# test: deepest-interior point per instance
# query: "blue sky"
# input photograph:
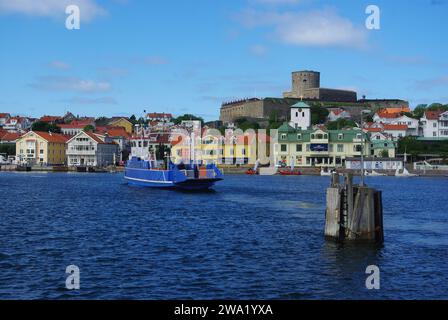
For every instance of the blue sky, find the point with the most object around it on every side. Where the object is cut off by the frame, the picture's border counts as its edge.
(189, 56)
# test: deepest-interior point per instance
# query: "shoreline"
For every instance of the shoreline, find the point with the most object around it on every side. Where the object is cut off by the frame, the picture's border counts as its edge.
(306, 171)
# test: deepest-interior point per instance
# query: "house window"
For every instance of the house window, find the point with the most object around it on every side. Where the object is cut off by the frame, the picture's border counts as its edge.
(283, 148)
(434, 134)
(340, 136)
(298, 148)
(41, 151)
(434, 124)
(283, 136)
(340, 148)
(299, 136)
(308, 148)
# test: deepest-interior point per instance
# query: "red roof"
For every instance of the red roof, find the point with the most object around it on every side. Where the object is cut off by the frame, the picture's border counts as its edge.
(50, 118)
(52, 137)
(398, 127)
(5, 115)
(160, 115)
(112, 131)
(83, 122)
(373, 129)
(433, 115)
(94, 137)
(386, 115)
(9, 136)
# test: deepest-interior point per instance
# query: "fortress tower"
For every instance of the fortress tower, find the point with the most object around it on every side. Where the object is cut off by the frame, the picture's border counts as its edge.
(303, 80)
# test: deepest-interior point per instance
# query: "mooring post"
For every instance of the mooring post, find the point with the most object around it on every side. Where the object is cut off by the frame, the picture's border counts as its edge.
(354, 213)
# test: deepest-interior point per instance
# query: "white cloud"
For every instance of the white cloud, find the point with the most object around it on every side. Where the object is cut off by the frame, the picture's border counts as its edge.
(57, 83)
(51, 8)
(321, 28)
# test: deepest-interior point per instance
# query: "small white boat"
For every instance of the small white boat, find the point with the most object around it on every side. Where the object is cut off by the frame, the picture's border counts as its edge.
(404, 174)
(325, 173)
(374, 174)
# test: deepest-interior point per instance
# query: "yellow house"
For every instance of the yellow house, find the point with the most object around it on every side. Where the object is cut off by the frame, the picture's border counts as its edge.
(42, 148)
(238, 149)
(122, 122)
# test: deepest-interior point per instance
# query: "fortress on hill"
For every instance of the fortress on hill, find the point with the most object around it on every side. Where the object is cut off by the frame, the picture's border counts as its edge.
(305, 87)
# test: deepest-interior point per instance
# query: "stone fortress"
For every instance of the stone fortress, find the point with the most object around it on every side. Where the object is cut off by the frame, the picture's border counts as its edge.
(305, 87)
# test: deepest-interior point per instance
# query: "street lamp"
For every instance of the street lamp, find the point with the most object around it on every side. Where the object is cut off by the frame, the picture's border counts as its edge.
(362, 145)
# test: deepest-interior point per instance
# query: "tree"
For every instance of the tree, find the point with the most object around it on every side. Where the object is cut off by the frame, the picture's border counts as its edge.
(419, 111)
(319, 114)
(435, 107)
(9, 149)
(101, 121)
(384, 154)
(187, 117)
(45, 127)
(89, 128)
(246, 124)
(133, 119)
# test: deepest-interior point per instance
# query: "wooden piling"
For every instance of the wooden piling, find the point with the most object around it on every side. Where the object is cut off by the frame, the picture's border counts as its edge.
(354, 213)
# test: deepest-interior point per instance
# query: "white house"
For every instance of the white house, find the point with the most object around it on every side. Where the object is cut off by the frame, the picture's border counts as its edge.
(300, 116)
(336, 114)
(4, 117)
(434, 124)
(88, 149)
(17, 124)
(398, 119)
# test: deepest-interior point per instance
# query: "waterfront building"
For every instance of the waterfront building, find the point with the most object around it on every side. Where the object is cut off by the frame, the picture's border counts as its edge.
(91, 150)
(143, 146)
(122, 122)
(434, 124)
(41, 148)
(4, 117)
(375, 163)
(317, 147)
(120, 136)
(383, 148)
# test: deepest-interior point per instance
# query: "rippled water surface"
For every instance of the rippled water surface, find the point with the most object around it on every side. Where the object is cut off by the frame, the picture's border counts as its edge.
(252, 238)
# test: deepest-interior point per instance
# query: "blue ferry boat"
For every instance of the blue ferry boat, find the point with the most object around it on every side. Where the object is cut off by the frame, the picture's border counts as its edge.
(145, 173)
